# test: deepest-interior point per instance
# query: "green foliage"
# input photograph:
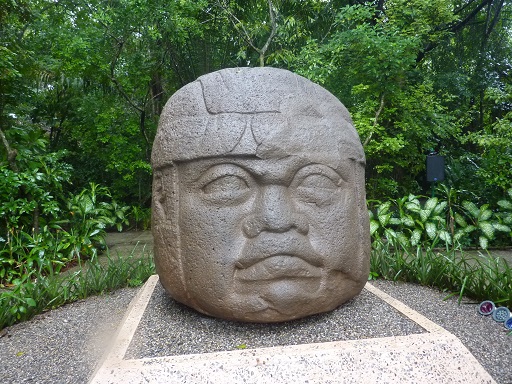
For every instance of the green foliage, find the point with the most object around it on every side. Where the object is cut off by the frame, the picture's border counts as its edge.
(42, 228)
(505, 216)
(495, 151)
(62, 241)
(82, 85)
(140, 217)
(436, 221)
(90, 215)
(421, 240)
(481, 277)
(37, 184)
(416, 75)
(369, 61)
(36, 292)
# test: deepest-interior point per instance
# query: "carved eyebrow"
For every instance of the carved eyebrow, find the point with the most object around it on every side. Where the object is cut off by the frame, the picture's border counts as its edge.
(318, 169)
(259, 169)
(216, 171)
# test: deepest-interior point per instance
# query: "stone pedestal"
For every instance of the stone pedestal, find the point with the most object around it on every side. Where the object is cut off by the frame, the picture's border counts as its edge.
(373, 338)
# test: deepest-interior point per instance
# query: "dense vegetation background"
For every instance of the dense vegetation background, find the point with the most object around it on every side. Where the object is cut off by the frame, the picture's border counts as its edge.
(82, 84)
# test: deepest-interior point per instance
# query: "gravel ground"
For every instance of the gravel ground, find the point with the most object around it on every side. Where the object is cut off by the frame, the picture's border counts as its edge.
(64, 345)
(486, 339)
(167, 327)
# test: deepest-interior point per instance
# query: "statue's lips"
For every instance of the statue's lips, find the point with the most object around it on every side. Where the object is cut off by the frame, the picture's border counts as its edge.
(278, 267)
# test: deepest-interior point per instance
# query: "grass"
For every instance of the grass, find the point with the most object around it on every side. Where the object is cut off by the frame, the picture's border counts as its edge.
(479, 278)
(37, 293)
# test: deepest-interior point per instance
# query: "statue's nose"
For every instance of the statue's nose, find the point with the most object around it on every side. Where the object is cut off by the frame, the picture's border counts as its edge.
(274, 211)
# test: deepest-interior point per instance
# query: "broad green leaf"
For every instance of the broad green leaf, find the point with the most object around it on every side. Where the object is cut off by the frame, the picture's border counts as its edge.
(30, 302)
(384, 219)
(505, 204)
(459, 219)
(471, 208)
(412, 207)
(440, 207)
(431, 230)
(485, 214)
(445, 236)
(413, 199)
(408, 221)
(501, 227)
(487, 228)
(425, 214)
(389, 234)
(402, 239)
(374, 226)
(383, 208)
(430, 203)
(415, 237)
(483, 241)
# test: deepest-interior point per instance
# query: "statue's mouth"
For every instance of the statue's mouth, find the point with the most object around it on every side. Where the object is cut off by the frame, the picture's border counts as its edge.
(278, 267)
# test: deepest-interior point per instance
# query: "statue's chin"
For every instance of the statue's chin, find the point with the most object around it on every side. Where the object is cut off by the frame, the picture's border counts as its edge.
(282, 301)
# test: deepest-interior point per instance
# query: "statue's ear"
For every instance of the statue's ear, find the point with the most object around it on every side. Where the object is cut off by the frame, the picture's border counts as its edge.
(158, 201)
(165, 196)
(166, 232)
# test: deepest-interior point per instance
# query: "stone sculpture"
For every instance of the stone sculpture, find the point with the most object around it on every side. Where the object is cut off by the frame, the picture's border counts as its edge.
(259, 209)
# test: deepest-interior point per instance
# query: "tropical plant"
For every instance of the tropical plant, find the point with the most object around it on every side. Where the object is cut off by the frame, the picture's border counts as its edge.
(141, 217)
(439, 222)
(90, 215)
(483, 223)
(36, 292)
(61, 241)
(480, 277)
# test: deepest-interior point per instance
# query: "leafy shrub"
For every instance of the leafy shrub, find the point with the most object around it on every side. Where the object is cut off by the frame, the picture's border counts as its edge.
(91, 212)
(140, 217)
(480, 277)
(77, 237)
(421, 240)
(439, 222)
(36, 292)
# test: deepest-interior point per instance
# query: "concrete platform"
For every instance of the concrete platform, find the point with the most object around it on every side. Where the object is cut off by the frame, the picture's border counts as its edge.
(373, 338)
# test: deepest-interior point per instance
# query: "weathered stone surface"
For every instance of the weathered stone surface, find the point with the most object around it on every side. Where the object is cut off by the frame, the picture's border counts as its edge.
(259, 207)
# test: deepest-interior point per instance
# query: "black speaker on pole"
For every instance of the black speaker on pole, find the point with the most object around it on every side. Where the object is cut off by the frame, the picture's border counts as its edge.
(435, 167)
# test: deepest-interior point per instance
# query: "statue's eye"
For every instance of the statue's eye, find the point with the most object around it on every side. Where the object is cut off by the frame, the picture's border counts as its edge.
(318, 181)
(226, 184)
(316, 184)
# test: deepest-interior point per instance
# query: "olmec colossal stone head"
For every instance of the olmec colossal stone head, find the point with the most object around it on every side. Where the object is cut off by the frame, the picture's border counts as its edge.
(259, 207)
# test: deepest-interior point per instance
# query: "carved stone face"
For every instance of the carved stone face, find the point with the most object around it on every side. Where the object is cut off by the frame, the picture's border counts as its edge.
(272, 226)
